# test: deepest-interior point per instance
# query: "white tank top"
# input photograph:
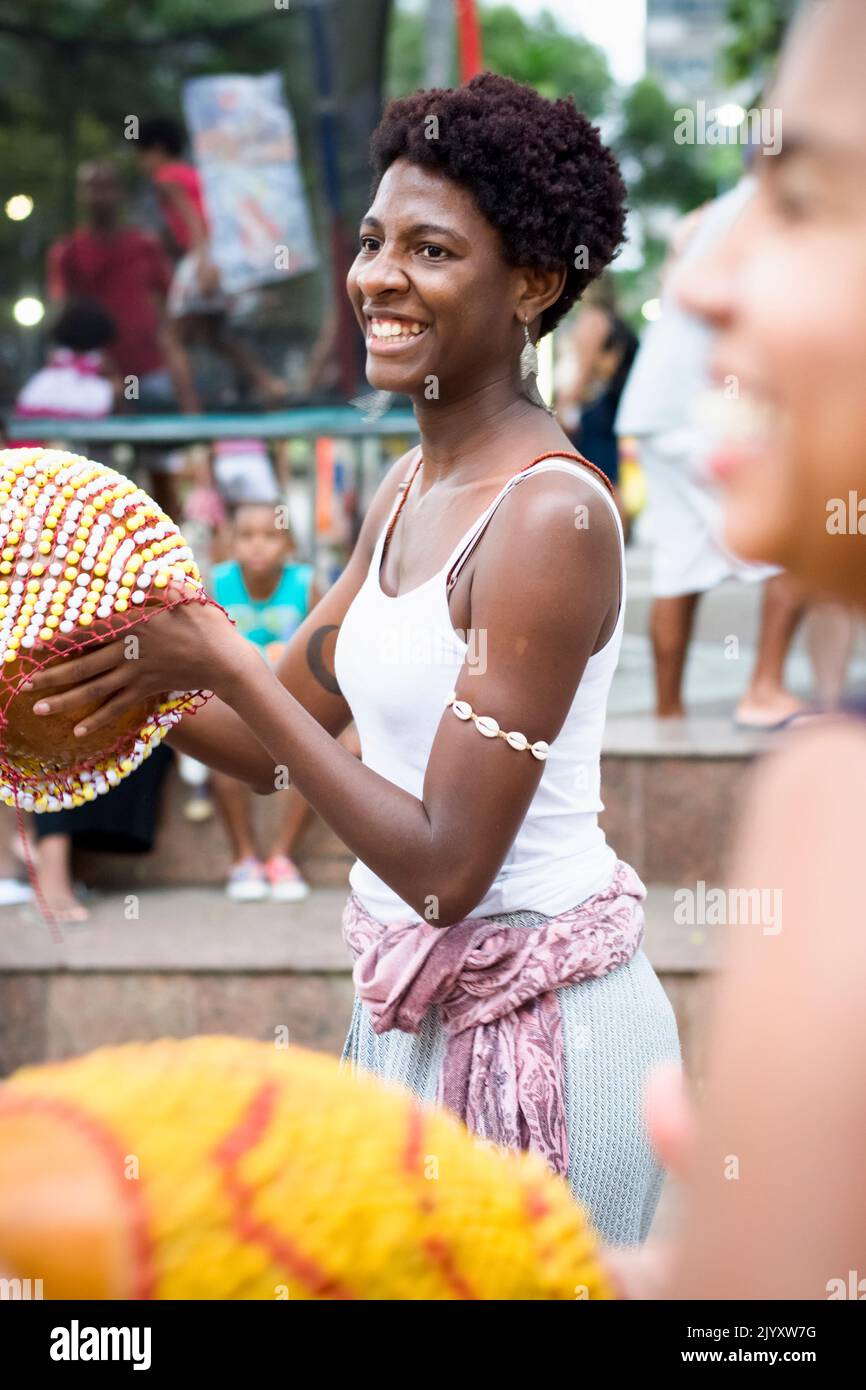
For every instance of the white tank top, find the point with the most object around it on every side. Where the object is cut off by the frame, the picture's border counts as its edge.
(398, 658)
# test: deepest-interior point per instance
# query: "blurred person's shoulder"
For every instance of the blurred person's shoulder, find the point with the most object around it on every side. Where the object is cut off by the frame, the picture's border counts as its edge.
(808, 792)
(829, 750)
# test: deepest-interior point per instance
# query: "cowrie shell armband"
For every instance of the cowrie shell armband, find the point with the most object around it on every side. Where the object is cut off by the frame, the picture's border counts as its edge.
(487, 725)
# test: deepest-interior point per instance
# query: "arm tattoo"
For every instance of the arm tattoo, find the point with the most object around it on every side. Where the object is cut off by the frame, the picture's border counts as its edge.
(316, 659)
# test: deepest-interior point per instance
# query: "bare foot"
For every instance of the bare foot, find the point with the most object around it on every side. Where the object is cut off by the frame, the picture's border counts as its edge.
(64, 906)
(19, 852)
(768, 711)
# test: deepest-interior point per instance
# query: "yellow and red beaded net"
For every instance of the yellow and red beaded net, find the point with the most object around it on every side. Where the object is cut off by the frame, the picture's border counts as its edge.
(85, 555)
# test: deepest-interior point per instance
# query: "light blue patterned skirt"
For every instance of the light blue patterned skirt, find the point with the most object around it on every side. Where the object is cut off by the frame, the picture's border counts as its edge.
(614, 1031)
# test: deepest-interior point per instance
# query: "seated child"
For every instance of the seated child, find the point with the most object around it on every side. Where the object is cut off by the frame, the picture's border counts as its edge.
(268, 596)
(79, 380)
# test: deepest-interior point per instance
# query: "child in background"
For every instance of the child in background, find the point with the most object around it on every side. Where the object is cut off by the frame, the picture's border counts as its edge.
(79, 381)
(268, 596)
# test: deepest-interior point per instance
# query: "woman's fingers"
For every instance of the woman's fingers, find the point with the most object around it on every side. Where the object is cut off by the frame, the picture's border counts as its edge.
(106, 714)
(77, 669)
(101, 688)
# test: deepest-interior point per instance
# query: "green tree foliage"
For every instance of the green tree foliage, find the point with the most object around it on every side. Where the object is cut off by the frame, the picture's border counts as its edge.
(536, 51)
(756, 28)
(665, 173)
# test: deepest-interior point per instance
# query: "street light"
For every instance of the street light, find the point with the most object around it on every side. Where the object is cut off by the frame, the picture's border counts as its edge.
(28, 311)
(19, 206)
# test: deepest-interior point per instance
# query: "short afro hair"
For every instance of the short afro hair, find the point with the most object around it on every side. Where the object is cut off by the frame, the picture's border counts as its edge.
(537, 170)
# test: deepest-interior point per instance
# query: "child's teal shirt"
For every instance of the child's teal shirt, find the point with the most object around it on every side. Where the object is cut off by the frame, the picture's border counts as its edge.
(268, 620)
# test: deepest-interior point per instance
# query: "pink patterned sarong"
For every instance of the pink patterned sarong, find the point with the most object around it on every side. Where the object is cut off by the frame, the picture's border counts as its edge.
(495, 986)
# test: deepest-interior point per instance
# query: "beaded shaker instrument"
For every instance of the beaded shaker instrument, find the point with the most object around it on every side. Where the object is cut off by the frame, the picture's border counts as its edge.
(85, 556)
(265, 1172)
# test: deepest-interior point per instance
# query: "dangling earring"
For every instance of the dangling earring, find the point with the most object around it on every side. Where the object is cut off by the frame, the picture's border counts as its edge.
(529, 371)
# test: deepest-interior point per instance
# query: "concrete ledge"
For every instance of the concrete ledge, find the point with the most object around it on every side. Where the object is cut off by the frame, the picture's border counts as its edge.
(49, 1016)
(184, 929)
(198, 930)
(695, 736)
(193, 962)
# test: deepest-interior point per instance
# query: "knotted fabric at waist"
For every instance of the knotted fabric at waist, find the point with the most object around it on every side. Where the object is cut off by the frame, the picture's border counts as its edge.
(495, 986)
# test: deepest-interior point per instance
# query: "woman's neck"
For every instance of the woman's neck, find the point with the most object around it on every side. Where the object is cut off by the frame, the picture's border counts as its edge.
(457, 435)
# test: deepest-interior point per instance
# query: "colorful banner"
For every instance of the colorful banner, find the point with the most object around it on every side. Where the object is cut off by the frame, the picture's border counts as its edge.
(243, 138)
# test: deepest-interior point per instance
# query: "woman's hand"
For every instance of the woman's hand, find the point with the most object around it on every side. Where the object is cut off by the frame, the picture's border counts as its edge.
(192, 646)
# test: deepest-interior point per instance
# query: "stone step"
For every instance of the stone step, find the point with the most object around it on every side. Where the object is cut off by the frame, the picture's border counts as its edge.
(177, 961)
(673, 791)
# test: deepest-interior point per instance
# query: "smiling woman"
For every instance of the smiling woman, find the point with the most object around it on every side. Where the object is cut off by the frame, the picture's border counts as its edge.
(497, 936)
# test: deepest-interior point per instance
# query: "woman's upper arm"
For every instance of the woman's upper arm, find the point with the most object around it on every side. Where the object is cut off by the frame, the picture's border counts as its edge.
(542, 591)
(776, 1198)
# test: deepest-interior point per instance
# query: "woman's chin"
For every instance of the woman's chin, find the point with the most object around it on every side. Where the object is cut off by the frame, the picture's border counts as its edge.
(383, 375)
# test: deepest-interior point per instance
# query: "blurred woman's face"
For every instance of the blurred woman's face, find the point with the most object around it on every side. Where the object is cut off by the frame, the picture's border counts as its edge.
(786, 293)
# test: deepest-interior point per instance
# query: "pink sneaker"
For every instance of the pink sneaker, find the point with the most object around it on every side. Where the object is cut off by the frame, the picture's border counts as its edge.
(284, 876)
(247, 882)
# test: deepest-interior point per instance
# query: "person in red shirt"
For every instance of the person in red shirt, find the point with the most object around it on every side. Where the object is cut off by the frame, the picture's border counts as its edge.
(123, 270)
(197, 305)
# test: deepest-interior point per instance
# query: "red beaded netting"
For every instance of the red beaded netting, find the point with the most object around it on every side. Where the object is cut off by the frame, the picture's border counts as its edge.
(85, 556)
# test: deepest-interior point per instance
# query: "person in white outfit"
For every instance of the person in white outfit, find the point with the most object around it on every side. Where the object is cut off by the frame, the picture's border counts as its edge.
(660, 408)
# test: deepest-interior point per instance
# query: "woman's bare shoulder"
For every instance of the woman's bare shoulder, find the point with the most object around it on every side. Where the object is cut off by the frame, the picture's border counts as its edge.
(802, 830)
(551, 565)
(821, 762)
(560, 524)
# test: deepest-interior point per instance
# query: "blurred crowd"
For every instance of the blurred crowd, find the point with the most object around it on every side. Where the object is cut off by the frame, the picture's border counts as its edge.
(133, 310)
